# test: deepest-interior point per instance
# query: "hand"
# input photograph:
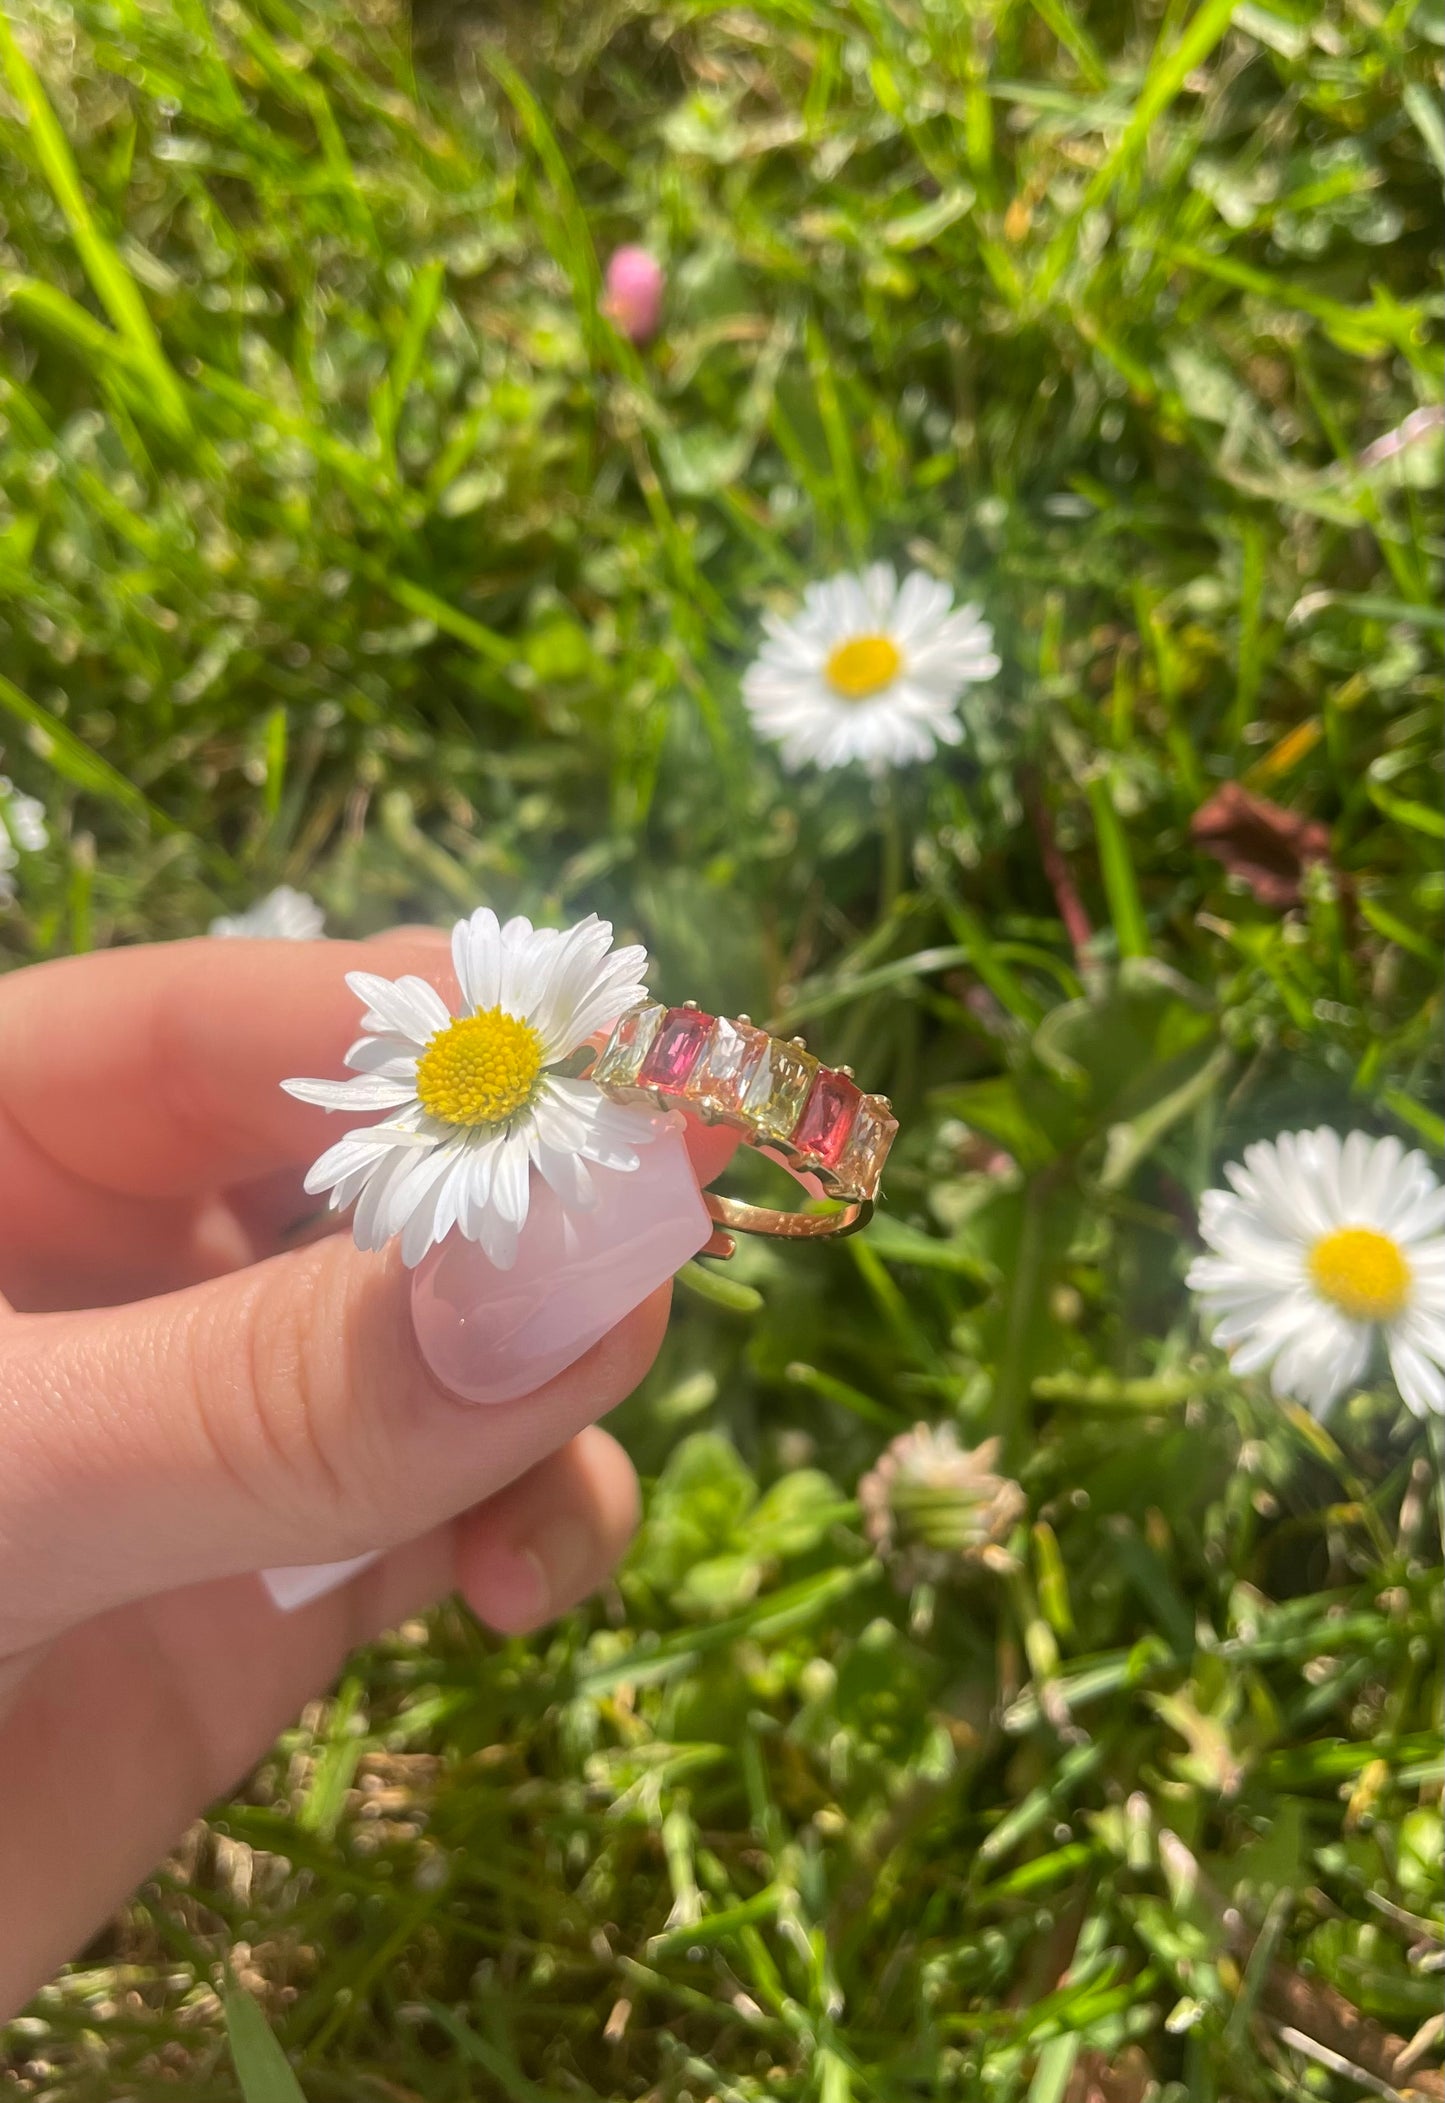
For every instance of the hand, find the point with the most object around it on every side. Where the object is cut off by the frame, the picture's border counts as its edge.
(183, 1403)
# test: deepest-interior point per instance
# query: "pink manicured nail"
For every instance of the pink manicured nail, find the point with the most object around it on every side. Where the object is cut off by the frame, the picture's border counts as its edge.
(492, 1335)
(299, 1583)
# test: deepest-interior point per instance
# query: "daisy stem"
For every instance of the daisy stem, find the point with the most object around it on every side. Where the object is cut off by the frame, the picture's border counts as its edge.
(1013, 1387)
(894, 856)
(1435, 1426)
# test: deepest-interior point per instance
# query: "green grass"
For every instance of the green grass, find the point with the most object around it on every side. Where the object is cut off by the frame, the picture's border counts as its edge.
(342, 542)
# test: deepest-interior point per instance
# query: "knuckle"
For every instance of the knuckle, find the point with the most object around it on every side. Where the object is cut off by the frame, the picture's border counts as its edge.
(286, 1389)
(239, 1366)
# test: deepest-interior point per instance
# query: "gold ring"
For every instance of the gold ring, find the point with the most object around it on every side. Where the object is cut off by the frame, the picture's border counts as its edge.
(813, 1119)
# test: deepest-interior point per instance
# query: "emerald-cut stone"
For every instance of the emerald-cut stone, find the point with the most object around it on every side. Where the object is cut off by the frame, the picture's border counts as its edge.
(823, 1129)
(621, 1057)
(860, 1165)
(779, 1088)
(723, 1075)
(676, 1049)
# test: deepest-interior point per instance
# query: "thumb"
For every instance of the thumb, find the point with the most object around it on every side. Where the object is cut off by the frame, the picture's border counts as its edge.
(286, 1414)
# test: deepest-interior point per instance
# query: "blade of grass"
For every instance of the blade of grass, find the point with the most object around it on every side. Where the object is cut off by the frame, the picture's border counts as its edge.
(1167, 75)
(261, 2066)
(571, 234)
(1075, 39)
(839, 440)
(390, 396)
(114, 286)
(1131, 931)
(75, 760)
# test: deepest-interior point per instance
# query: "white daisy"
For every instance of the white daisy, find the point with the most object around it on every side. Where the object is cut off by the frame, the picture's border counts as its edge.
(283, 915)
(1317, 1245)
(474, 1100)
(22, 824)
(869, 670)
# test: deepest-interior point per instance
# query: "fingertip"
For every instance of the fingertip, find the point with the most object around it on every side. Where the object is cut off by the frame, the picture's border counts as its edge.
(508, 1589)
(613, 1479)
(552, 1538)
(710, 1148)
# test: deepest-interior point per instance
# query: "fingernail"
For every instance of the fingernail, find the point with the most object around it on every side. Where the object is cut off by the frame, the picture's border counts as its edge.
(567, 1552)
(492, 1335)
(529, 1584)
(299, 1583)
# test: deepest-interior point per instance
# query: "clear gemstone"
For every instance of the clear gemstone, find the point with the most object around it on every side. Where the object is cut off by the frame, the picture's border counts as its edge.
(827, 1120)
(722, 1076)
(861, 1163)
(779, 1088)
(628, 1046)
(675, 1049)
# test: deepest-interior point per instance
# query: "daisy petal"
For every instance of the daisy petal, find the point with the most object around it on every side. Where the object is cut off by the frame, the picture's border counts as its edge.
(567, 1174)
(510, 1178)
(369, 1091)
(1421, 1383)
(405, 1007)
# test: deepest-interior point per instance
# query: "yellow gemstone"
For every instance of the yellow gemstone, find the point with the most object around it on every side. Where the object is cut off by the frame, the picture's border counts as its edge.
(621, 1057)
(779, 1088)
(1361, 1272)
(863, 666)
(479, 1070)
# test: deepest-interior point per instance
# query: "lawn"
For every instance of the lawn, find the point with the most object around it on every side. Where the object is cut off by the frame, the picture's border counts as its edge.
(345, 542)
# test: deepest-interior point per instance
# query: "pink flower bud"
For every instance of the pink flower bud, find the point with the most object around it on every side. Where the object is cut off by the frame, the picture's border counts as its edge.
(633, 300)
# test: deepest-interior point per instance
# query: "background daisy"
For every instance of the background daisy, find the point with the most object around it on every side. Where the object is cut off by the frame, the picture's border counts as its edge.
(868, 670)
(1317, 1246)
(22, 825)
(475, 1099)
(283, 915)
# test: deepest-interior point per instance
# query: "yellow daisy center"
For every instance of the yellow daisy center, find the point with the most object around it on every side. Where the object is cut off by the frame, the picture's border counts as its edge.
(479, 1070)
(862, 666)
(1364, 1273)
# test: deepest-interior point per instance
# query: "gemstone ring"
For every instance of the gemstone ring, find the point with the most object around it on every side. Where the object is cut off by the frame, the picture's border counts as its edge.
(813, 1119)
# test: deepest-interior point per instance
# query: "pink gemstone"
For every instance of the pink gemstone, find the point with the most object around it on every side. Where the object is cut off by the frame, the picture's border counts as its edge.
(675, 1049)
(827, 1118)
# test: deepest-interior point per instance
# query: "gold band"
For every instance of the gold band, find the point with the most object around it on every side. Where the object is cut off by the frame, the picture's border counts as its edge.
(788, 1226)
(813, 1119)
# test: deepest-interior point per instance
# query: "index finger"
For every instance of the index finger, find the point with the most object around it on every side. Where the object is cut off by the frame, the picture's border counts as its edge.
(156, 1072)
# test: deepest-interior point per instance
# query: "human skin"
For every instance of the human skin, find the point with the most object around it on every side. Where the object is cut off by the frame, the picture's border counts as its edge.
(184, 1400)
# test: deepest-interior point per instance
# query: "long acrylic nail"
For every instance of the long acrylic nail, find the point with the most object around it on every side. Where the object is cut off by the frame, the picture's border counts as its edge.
(493, 1335)
(299, 1583)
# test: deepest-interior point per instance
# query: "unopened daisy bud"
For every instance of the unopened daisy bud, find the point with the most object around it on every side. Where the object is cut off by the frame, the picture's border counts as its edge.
(934, 1509)
(633, 298)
